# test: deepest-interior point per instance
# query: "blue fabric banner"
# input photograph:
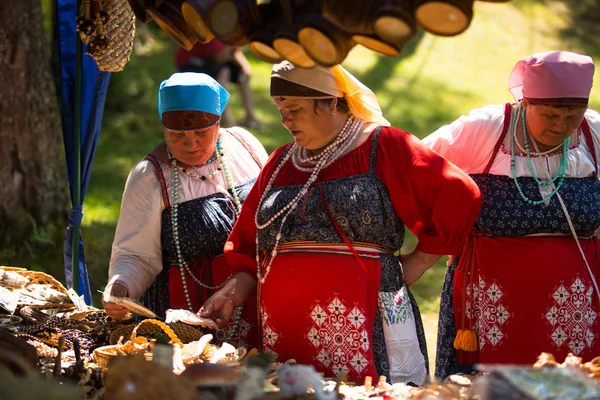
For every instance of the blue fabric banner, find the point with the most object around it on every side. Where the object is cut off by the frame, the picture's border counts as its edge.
(94, 85)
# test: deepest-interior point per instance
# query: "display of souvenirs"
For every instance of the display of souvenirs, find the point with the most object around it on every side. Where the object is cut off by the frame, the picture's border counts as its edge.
(48, 336)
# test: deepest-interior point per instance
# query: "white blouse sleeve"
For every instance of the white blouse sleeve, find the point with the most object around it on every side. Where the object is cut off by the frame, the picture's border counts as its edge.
(469, 141)
(136, 252)
(593, 119)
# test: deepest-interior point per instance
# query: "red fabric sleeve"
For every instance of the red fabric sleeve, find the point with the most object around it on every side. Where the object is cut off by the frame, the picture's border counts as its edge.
(240, 248)
(435, 199)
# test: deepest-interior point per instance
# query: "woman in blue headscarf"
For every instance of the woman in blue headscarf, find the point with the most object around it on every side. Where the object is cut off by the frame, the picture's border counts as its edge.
(181, 202)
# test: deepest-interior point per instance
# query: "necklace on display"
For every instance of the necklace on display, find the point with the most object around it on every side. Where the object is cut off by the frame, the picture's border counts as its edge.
(560, 173)
(183, 265)
(332, 152)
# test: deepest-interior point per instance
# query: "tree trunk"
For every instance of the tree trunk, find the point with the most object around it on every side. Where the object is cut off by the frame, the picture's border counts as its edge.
(32, 177)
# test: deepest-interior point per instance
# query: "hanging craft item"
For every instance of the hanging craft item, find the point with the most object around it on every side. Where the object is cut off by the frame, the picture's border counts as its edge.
(287, 45)
(357, 18)
(395, 23)
(273, 15)
(195, 13)
(286, 41)
(444, 18)
(304, 32)
(140, 9)
(108, 28)
(323, 40)
(169, 17)
(234, 21)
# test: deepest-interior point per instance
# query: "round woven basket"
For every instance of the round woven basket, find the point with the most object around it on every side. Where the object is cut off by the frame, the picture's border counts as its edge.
(41, 278)
(102, 355)
(120, 31)
(184, 332)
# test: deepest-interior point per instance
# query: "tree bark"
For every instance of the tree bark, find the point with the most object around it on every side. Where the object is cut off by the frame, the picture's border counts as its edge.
(32, 178)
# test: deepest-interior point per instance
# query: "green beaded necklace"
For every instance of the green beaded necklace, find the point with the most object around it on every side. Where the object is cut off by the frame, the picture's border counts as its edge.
(560, 174)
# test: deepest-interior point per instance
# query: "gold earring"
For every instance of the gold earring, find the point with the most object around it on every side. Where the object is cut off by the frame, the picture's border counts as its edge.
(333, 112)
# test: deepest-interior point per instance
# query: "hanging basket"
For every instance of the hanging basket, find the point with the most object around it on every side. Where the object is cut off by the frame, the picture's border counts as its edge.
(195, 13)
(324, 42)
(234, 21)
(287, 45)
(378, 45)
(444, 18)
(140, 9)
(395, 24)
(170, 18)
(118, 36)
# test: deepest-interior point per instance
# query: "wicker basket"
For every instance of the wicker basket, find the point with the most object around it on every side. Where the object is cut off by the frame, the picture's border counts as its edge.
(184, 332)
(41, 278)
(103, 354)
(120, 31)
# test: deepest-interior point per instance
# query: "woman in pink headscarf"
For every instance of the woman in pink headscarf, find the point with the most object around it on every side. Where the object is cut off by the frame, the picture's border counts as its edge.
(526, 280)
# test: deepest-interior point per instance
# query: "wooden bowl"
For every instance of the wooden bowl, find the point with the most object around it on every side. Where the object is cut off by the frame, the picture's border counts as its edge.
(444, 18)
(324, 42)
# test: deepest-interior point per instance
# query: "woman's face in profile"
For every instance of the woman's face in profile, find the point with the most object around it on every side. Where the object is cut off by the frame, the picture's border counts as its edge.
(550, 126)
(311, 125)
(192, 147)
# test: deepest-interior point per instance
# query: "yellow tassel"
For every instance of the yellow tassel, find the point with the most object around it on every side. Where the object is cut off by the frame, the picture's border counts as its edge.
(469, 341)
(458, 339)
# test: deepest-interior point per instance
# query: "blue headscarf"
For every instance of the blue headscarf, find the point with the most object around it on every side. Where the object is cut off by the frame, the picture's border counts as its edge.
(191, 91)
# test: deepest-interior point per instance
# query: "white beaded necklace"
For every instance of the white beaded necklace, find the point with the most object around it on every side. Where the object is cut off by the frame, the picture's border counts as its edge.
(345, 138)
(183, 265)
(521, 149)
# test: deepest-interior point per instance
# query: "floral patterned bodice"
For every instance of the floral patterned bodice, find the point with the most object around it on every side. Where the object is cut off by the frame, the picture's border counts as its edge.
(504, 213)
(360, 204)
(204, 225)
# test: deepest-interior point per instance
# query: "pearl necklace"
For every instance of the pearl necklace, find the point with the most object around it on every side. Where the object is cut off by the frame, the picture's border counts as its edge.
(183, 265)
(321, 160)
(521, 149)
(346, 137)
(304, 152)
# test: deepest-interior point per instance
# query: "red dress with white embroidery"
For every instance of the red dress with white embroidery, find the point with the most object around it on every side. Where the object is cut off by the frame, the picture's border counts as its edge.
(318, 304)
(522, 284)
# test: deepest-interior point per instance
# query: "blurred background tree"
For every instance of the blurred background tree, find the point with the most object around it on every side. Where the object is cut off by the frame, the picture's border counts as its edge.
(33, 189)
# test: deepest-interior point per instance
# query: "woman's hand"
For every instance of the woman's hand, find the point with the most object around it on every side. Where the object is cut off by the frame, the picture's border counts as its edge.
(115, 311)
(415, 263)
(221, 305)
(451, 260)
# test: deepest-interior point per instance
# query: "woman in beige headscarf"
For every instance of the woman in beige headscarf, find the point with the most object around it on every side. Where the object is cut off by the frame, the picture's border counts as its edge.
(317, 235)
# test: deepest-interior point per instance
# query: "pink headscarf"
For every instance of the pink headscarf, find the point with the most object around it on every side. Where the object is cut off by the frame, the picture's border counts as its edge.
(552, 75)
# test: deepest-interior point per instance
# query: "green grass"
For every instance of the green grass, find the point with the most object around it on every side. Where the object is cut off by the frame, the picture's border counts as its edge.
(434, 81)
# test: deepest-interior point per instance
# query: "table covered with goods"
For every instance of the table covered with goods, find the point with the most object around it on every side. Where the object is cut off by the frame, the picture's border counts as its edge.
(54, 346)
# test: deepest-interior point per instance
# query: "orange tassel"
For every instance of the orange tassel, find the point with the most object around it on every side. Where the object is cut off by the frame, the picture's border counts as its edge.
(469, 341)
(458, 339)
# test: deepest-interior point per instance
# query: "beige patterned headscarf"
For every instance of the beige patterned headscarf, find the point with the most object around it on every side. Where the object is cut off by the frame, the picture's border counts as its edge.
(332, 82)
